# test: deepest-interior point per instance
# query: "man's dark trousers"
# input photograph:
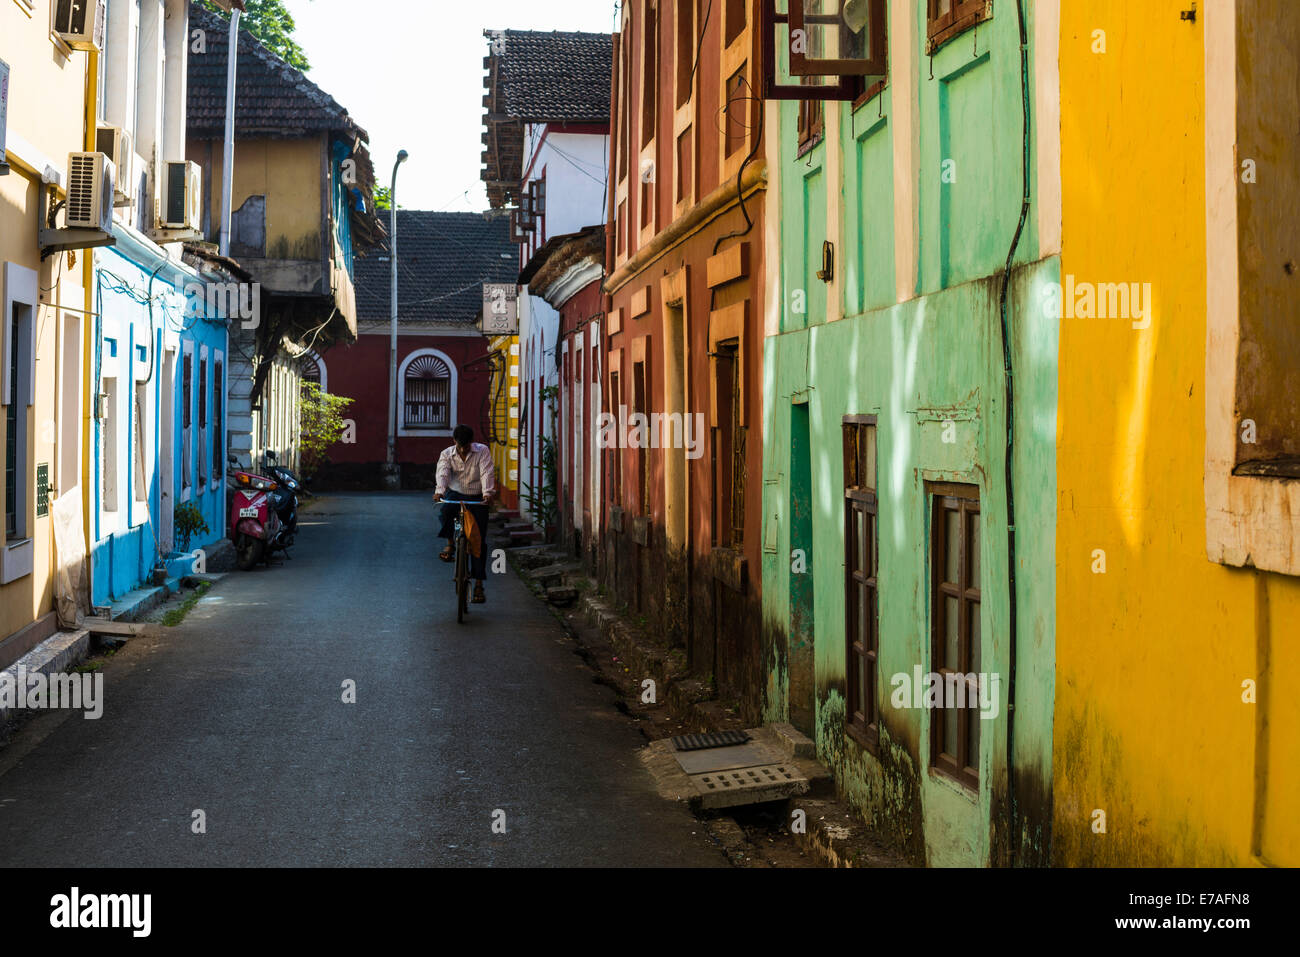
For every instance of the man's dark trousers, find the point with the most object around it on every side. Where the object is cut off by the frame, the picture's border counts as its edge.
(478, 566)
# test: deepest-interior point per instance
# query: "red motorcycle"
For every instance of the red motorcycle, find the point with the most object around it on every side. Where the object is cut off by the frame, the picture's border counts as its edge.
(255, 526)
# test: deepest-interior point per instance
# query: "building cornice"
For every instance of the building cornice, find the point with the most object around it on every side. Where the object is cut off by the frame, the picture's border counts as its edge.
(723, 198)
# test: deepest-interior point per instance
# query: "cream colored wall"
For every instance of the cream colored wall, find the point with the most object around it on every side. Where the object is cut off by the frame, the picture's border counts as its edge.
(45, 123)
(288, 173)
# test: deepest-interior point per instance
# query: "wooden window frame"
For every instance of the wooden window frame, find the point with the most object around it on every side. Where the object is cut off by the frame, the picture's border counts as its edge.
(650, 50)
(737, 59)
(963, 14)
(850, 76)
(686, 175)
(641, 403)
(944, 497)
(862, 644)
(616, 453)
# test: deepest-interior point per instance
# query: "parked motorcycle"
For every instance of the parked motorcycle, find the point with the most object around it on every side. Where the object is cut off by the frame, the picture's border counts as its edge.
(256, 529)
(292, 486)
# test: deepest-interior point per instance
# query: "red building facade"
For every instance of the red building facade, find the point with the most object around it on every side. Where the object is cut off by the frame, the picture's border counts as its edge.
(443, 367)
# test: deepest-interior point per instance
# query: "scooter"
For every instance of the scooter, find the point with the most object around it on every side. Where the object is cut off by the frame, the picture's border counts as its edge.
(255, 526)
(291, 487)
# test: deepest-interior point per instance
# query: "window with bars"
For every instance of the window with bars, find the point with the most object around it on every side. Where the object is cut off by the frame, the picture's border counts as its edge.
(218, 423)
(11, 432)
(649, 73)
(729, 448)
(427, 391)
(187, 415)
(203, 421)
(640, 404)
(955, 629)
(862, 593)
(684, 49)
(615, 453)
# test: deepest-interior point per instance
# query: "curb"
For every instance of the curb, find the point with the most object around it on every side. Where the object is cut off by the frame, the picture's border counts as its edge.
(835, 834)
(55, 654)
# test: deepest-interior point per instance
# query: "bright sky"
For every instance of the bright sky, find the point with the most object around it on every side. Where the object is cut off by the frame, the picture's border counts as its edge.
(410, 72)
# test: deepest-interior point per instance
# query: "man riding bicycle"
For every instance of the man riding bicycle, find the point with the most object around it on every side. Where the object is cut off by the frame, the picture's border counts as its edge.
(466, 474)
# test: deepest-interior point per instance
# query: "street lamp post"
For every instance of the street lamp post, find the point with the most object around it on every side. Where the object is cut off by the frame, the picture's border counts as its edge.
(392, 478)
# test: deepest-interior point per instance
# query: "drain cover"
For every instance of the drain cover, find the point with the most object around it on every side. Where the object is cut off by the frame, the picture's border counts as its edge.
(767, 782)
(716, 739)
(747, 778)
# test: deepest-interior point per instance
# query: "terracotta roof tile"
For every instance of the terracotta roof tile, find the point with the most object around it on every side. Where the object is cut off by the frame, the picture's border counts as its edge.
(272, 99)
(442, 261)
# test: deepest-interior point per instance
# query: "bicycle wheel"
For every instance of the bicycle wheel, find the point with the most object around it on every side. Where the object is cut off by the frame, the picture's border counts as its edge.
(462, 578)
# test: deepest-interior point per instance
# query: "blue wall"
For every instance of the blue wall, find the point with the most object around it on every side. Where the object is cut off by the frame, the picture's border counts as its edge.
(142, 313)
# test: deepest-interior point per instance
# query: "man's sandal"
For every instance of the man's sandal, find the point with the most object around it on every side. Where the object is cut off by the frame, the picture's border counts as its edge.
(479, 598)
(448, 554)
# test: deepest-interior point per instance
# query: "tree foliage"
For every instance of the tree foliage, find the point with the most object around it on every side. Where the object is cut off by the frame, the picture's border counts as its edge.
(271, 22)
(321, 417)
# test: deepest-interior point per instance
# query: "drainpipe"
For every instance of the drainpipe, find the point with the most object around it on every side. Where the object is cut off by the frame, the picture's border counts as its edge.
(1008, 465)
(392, 364)
(228, 150)
(88, 388)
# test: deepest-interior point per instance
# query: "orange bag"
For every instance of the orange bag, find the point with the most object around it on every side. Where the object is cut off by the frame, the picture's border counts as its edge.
(473, 535)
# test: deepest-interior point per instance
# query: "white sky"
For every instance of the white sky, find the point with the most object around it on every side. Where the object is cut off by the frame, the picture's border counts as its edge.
(410, 72)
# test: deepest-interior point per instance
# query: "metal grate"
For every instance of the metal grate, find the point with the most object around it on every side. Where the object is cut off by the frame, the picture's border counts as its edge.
(42, 490)
(747, 778)
(716, 739)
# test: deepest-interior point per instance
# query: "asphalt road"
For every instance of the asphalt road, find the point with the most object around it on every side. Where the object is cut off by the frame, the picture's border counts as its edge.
(238, 712)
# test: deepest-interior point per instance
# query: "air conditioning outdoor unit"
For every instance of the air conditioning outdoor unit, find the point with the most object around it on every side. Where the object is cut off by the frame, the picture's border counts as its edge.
(90, 191)
(181, 196)
(80, 23)
(116, 144)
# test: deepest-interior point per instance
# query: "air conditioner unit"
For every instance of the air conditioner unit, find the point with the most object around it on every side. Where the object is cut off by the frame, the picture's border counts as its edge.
(181, 196)
(80, 23)
(90, 191)
(116, 144)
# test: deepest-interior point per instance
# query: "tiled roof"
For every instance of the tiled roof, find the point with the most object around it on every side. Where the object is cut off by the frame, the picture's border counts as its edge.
(272, 99)
(442, 261)
(553, 77)
(538, 78)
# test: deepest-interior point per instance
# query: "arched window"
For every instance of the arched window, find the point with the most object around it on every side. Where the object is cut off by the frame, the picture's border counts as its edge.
(312, 369)
(428, 392)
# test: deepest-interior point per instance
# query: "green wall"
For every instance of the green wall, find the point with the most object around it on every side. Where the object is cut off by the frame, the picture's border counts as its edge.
(917, 365)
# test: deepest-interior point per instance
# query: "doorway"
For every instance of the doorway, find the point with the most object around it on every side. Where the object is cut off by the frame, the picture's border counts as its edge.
(801, 661)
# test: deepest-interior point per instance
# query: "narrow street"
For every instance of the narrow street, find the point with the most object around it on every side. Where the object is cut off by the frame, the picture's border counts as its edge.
(238, 712)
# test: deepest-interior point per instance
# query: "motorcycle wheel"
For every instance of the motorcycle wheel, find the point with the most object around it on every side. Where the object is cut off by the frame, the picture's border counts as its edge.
(248, 552)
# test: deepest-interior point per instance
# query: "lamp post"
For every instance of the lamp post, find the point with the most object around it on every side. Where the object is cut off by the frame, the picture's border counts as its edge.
(392, 364)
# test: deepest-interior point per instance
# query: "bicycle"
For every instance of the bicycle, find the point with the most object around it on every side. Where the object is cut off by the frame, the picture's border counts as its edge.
(460, 540)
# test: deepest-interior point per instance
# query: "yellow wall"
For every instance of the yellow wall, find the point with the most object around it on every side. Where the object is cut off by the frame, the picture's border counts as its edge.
(505, 456)
(288, 173)
(46, 103)
(1150, 723)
